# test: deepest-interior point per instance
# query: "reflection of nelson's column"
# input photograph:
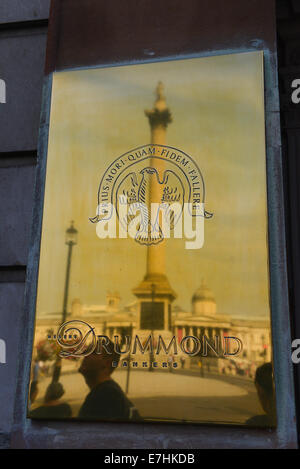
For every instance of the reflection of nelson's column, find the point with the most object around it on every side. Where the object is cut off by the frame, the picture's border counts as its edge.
(154, 293)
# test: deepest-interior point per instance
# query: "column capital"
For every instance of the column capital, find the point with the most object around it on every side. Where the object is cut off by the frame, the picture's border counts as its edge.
(159, 118)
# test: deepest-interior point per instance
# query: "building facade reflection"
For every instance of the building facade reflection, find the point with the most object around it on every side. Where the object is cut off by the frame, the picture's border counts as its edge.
(112, 318)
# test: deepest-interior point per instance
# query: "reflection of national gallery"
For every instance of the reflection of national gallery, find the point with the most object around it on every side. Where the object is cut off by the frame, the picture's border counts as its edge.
(153, 311)
(111, 319)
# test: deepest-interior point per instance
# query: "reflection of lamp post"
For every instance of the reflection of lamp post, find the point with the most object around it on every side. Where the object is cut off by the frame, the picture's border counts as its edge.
(128, 360)
(70, 241)
(152, 316)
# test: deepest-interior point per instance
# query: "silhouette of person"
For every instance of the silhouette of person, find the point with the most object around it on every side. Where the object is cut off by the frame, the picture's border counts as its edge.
(33, 392)
(106, 400)
(266, 394)
(182, 361)
(201, 368)
(53, 408)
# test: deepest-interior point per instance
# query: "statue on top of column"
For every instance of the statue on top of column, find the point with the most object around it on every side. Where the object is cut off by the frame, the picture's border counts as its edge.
(160, 114)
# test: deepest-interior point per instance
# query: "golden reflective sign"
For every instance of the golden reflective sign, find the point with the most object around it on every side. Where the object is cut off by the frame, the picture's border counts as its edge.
(153, 296)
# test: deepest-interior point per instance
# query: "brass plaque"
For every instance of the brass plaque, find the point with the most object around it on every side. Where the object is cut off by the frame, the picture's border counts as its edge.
(153, 290)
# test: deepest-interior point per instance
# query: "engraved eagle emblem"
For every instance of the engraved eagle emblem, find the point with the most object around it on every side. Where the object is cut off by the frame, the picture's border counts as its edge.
(140, 190)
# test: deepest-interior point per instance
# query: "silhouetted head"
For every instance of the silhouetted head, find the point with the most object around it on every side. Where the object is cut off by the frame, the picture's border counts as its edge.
(98, 367)
(54, 392)
(33, 391)
(265, 387)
